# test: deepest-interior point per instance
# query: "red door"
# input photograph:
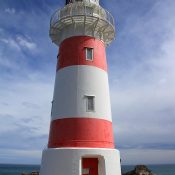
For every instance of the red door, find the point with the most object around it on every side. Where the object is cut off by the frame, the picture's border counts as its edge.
(90, 166)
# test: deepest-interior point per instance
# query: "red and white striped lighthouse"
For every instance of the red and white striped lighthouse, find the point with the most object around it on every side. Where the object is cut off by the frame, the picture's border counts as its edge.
(81, 136)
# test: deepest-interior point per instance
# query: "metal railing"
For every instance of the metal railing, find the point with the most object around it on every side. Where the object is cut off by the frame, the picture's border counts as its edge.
(81, 9)
(89, 1)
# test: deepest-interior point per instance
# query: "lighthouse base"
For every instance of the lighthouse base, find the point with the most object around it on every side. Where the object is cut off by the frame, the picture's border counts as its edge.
(80, 161)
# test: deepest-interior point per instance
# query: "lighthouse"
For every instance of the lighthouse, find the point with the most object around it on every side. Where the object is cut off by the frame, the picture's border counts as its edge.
(81, 138)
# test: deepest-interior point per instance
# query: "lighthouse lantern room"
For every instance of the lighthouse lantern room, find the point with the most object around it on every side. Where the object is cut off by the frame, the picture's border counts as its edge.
(81, 135)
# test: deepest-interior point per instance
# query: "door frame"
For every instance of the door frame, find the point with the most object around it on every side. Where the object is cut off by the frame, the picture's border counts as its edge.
(101, 163)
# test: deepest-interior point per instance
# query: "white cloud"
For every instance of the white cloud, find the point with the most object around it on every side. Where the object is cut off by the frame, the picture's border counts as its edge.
(20, 156)
(147, 156)
(20, 42)
(25, 92)
(21, 98)
(10, 10)
(11, 51)
(26, 43)
(143, 97)
(11, 42)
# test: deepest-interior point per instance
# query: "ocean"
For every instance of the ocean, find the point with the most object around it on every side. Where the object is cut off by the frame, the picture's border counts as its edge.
(7, 169)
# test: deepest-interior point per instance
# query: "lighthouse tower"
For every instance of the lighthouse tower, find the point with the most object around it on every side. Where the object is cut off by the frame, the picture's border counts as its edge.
(81, 136)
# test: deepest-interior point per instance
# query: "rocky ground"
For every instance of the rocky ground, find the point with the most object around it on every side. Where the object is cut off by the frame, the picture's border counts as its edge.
(140, 170)
(33, 173)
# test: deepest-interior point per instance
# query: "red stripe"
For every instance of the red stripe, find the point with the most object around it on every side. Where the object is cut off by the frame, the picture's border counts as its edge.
(72, 52)
(81, 132)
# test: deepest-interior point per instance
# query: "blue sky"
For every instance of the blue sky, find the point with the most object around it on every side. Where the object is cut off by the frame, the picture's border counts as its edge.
(141, 73)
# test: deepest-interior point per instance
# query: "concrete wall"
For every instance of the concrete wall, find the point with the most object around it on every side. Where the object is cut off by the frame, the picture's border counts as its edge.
(68, 161)
(72, 84)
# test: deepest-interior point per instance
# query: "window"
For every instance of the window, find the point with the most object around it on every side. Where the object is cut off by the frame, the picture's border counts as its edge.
(89, 54)
(90, 103)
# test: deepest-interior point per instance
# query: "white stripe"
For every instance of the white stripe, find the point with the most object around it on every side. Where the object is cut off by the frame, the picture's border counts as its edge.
(73, 84)
(68, 161)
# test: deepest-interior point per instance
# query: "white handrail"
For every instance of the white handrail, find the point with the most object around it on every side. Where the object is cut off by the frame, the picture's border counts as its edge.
(81, 9)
